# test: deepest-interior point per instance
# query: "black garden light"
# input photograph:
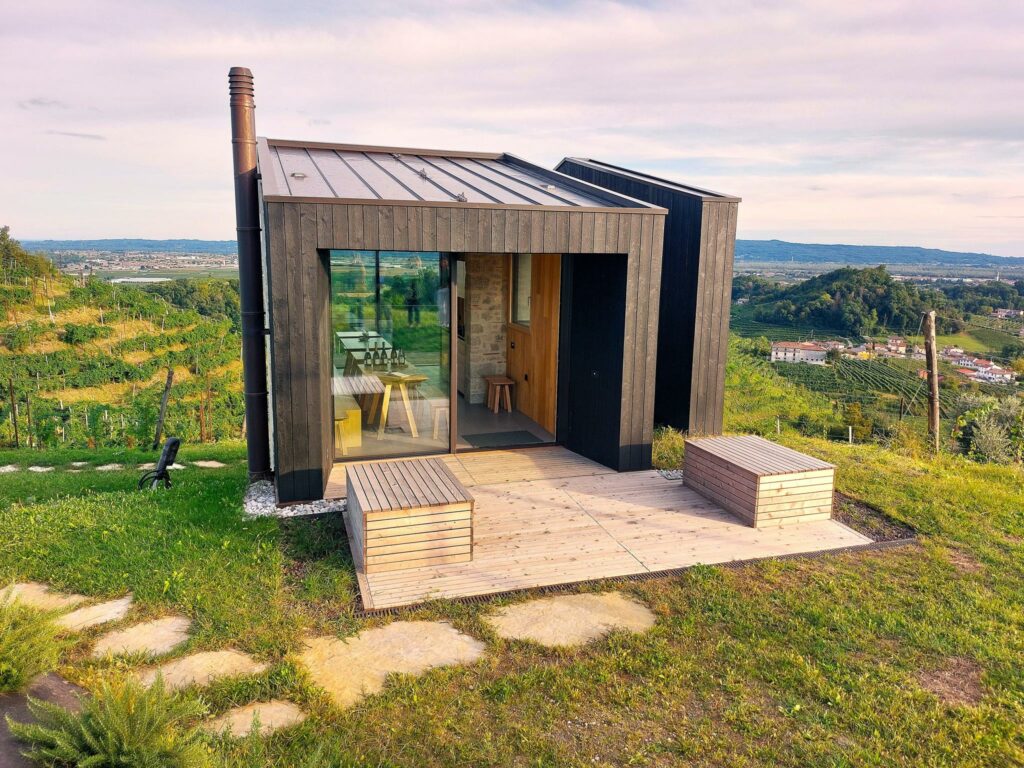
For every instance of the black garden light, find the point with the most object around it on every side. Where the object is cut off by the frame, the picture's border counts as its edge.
(160, 475)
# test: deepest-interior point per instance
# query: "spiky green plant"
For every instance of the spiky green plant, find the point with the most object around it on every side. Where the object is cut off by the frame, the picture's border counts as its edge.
(123, 725)
(28, 644)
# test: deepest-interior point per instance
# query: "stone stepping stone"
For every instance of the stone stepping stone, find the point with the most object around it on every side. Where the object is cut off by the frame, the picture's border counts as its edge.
(40, 596)
(93, 615)
(148, 465)
(153, 638)
(272, 715)
(202, 669)
(356, 667)
(8, 468)
(568, 620)
(209, 464)
(79, 463)
(40, 469)
(109, 467)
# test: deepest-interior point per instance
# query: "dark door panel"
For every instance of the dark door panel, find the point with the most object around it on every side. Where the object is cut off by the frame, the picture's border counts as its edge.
(592, 363)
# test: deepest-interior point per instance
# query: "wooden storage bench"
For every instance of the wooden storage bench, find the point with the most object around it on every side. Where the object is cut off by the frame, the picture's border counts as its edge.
(407, 514)
(763, 483)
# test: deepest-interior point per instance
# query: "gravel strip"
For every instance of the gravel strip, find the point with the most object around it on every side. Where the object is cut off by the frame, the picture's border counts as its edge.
(261, 501)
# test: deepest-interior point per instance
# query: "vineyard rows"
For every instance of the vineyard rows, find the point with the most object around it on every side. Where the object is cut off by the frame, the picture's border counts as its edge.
(867, 382)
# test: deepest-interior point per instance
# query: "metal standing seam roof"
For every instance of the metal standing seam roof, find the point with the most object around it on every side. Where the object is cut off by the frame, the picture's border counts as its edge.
(707, 194)
(356, 173)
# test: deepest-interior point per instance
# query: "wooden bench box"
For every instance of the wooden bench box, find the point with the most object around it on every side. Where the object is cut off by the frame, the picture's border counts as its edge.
(407, 514)
(763, 483)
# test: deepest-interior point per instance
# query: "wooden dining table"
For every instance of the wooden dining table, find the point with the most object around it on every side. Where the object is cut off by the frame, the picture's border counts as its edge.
(377, 402)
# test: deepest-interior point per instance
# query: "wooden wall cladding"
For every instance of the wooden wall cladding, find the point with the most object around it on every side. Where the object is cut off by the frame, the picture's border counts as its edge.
(696, 287)
(301, 233)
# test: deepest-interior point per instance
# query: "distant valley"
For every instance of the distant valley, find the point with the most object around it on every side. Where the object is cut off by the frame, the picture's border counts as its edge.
(751, 255)
(866, 255)
(218, 247)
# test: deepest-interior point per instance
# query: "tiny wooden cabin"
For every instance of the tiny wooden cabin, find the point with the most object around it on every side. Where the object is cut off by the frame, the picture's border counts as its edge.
(426, 302)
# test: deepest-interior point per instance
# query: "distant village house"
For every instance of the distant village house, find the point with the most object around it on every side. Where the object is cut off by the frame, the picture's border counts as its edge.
(798, 352)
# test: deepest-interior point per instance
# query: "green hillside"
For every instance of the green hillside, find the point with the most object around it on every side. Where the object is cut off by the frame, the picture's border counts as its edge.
(853, 301)
(86, 362)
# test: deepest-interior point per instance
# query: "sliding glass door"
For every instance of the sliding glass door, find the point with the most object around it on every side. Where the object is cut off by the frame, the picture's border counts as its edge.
(391, 322)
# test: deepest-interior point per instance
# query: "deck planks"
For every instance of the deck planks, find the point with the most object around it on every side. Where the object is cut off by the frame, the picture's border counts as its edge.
(546, 516)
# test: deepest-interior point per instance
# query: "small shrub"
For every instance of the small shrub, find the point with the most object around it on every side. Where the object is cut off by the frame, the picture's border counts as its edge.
(990, 429)
(907, 441)
(124, 724)
(667, 450)
(28, 645)
(991, 441)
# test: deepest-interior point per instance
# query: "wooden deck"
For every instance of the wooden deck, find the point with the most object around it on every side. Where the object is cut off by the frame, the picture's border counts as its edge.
(547, 516)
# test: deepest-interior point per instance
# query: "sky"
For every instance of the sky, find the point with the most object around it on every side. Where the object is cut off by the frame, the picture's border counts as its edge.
(879, 123)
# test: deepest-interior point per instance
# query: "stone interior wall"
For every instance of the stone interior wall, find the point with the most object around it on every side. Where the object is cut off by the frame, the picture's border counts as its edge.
(486, 342)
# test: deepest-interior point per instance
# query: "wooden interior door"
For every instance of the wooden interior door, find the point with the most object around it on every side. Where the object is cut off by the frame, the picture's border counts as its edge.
(533, 350)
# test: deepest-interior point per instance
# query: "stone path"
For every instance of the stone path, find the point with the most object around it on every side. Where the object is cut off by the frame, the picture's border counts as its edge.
(202, 669)
(356, 667)
(568, 620)
(349, 669)
(94, 615)
(40, 596)
(78, 466)
(272, 716)
(153, 638)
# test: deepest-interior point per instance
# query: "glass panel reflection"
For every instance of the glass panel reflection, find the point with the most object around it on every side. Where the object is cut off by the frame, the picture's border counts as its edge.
(391, 319)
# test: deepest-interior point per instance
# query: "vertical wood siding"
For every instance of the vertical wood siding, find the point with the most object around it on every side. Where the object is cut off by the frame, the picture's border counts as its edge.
(692, 291)
(300, 236)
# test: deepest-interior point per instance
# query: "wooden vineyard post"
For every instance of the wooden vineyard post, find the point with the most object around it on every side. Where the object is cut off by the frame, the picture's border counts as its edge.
(932, 357)
(163, 408)
(28, 418)
(14, 412)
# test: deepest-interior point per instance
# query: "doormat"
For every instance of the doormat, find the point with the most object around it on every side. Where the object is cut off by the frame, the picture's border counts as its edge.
(502, 439)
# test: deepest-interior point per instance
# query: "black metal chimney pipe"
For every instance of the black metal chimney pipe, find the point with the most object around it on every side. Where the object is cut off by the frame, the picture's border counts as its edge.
(250, 269)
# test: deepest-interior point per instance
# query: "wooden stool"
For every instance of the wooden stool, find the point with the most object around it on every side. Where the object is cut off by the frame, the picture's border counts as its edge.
(499, 388)
(439, 411)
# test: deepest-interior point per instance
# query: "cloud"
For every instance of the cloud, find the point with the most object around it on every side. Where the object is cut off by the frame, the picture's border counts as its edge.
(39, 102)
(894, 120)
(77, 135)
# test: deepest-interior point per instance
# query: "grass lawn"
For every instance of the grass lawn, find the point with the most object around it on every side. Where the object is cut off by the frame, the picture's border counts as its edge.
(824, 662)
(982, 341)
